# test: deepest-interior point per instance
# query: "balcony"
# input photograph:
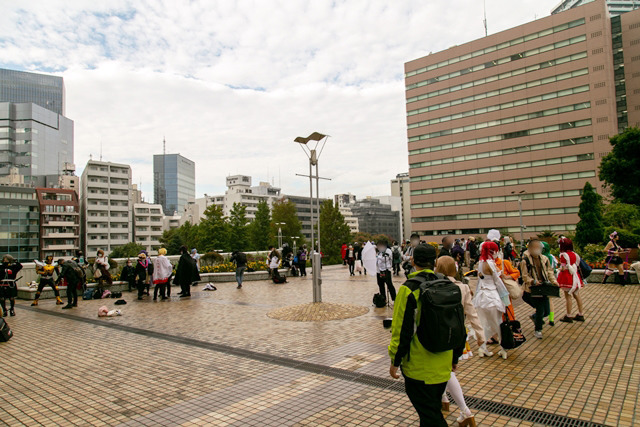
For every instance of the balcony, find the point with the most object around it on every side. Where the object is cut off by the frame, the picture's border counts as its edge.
(61, 224)
(59, 247)
(60, 236)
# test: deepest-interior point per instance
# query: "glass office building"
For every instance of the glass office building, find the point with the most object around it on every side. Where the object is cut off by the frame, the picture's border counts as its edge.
(19, 222)
(174, 181)
(41, 89)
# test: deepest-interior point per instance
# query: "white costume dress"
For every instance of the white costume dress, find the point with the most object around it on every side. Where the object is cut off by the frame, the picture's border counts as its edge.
(488, 302)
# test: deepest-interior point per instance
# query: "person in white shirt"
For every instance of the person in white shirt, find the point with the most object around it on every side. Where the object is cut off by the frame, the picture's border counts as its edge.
(384, 268)
(162, 270)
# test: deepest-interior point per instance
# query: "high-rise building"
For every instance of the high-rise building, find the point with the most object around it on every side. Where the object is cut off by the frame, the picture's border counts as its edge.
(527, 113)
(148, 225)
(341, 200)
(38, 141)
(400, 188)
(105, 206)
(376, 218)
(19, 221)
(174, 181)
(41, 89)
(59, 222)
(616, 7)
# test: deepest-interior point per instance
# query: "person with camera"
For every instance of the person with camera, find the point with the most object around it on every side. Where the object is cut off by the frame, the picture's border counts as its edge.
(537, 275)
(408, 254)
(384, 266)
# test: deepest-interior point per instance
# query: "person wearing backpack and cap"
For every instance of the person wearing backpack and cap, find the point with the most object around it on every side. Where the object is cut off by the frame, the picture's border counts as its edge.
(71, 273)
(426, 373)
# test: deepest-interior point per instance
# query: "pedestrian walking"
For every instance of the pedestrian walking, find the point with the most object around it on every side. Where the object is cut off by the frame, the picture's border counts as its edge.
(162, 271)
(397, 258)
(474, 253)
(569, 280)
(45, 271)
(384, 266)
(274, 264)
(186, 273)
(343, 253)
(536, 271)
(546, 251)
(8, 289)
(447, 266)
(240, 259)
(71, 273)
(351, 260)
(426, 373)
(302, 261)
(491, 298)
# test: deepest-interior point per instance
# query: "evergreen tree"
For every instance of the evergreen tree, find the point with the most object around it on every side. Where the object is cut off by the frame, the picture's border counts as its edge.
(334, 231)
(213, 231)
(260, 228)
(620, 169)
(284, 216)
(126, 251)
(238, 232)
(590, 228)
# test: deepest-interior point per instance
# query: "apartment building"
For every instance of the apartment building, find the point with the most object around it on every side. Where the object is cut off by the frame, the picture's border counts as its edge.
(59, 222)
(148, 226)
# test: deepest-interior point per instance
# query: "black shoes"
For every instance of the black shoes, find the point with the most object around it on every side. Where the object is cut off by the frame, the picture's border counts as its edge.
(12, 312)
(578, 318)
(239, 287)
(67, 307)
(185, 295)
(566, 319)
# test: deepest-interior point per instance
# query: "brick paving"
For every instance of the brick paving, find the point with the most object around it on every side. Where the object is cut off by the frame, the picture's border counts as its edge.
(72, 368)
(319, 311)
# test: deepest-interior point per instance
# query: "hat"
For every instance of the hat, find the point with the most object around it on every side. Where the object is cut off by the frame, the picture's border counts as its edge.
(493, 234)
(424, 254)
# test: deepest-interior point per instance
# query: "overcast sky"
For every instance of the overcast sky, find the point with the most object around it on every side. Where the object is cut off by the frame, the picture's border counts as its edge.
(230, 84)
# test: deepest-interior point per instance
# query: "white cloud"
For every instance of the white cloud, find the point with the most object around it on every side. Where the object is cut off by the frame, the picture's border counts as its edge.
(231, 84)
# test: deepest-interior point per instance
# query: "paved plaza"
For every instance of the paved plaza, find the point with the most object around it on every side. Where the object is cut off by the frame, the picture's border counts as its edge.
(219, 359)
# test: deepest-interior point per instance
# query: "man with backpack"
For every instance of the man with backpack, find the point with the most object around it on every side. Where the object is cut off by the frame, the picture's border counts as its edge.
(240, 259)
(72, 273)
(426, 355)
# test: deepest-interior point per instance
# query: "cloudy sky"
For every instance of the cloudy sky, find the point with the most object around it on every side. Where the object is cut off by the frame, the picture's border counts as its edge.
(230, 84)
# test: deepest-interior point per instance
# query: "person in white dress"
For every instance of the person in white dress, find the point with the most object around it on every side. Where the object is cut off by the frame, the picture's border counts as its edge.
(162, 270)
(491, 297)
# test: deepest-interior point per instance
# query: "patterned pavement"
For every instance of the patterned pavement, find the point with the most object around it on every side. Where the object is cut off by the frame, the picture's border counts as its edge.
(218, 359)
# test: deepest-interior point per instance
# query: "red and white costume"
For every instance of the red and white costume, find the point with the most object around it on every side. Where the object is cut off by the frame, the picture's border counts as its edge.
(569, 278)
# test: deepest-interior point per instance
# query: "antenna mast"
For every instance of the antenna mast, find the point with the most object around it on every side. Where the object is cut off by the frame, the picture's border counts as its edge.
(484, 21)
(164, 145)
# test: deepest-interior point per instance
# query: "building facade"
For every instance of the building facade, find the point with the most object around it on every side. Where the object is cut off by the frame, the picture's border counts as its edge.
(19, 222)
(106, 206)
(351, 220)
(526, 112)
(41, 89)
(38, 141)
(341, 200)
(148, 226)
(376, 218)
(616, 7)
(59, 222)
(174, 182)
(400, 187)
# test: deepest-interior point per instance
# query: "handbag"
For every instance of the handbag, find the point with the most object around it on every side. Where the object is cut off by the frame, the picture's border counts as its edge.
(511, 335)
(515, 291)
(97, 273)
(546, 289)
(585, 269)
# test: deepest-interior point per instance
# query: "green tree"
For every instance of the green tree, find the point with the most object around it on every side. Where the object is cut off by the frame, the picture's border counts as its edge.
(590, 228)
(171, 241)
(213, 231)
(334, 231)
(238, 230)
(260, 228)
(620, 169)
(126, 251)
(284, 215)
(622, 215)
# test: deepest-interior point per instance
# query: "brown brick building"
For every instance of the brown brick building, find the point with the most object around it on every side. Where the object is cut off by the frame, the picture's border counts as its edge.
(529, 109)
(59, 222)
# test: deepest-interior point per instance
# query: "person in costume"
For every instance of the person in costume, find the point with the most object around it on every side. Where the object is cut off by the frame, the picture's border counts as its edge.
(102, 265)
(142, 271)
(569, 279)
(128, 274)
(71, 272)
(161, 275)
(8, 289)
(491, 298)
(447, 266)
(46, 271)
(546, 251)
(614, 260)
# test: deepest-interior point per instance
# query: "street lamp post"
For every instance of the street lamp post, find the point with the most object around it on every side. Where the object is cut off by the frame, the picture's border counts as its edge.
(279, 224)
(520, 193)
(313, 153)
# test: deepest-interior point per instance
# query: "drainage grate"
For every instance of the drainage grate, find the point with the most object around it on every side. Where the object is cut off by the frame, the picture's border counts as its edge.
(476, 403)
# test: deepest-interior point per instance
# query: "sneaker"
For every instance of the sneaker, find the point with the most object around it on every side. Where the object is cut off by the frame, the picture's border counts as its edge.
(579, 318)
(552, 323)
(239, 287)
(538, 334)
(566, 319)
(12, 312)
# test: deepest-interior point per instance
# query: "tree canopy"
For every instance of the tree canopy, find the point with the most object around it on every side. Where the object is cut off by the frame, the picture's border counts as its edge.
(620, 169)
(129, 250)
(285, 216)
(334, 231)
(238, 230)
(590, 228)
(260, 228)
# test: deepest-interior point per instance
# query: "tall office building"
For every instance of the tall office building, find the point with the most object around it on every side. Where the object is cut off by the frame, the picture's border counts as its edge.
(526, 112)
(105, 206)
(616, 7)
(400, 188)
(376, 218)
(19, 219)
(174, 181)
(41, 89)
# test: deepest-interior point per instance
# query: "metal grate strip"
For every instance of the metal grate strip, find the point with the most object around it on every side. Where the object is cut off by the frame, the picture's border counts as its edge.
(476, 403)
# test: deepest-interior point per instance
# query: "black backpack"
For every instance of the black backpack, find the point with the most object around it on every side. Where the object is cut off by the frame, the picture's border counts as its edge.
(441, 326)
(379, 300)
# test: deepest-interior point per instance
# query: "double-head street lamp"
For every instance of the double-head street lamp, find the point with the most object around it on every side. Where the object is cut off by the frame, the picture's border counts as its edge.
(279, 224)
(312, 146)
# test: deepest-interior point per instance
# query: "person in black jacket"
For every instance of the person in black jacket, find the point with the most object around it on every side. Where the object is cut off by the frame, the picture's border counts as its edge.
(240, 258)
(71, 272)
(128, 274)
(142, 271)
(186, 273)
(8, 289)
